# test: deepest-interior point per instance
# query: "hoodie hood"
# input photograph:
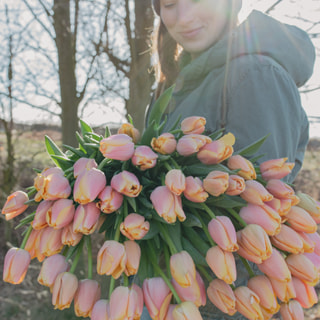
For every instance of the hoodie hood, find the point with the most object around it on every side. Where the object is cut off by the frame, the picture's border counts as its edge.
(288, 45)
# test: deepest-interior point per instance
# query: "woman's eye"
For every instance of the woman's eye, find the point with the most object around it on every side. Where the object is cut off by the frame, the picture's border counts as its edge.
(169, 4)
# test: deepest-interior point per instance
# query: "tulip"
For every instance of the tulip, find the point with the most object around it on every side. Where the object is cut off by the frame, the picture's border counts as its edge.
(245, 167)
(222, 296)
(315, 238)
(216, 182)
(282, 206)
(64, 290)
(167, 205)
(69, 237)
(87, 295)
(51, 184)
(315, 259)
(223, 233)
(50, 241)
(15, 204)
(236, 185)
(134, 226)
(50, 269)
(310, 205)
(88, 185)
(157, 296)
(193, 125)
(110, 200)
(275, 267)
(144, 158)
(281, 190)
(306, 294)
(133, 253)
(111, 259)
(291, 311)
(301, 267)
(130, 130)
(83, 164)
(308, 244)
(255, 193)
(262, 287)
(117, 147)
(169, 315)
(247, 303)
(288, 240)
(275, 168)
(283, 290)
(300, 220)
(165, 144)
(126, 183)
(182, 268)
(40, 217)
(194, 190)
(86, 218)
(16, 263)
(101, 310)
(61, 213)
(191, 143)
(175, 181)
(186, 311)
(33, 245)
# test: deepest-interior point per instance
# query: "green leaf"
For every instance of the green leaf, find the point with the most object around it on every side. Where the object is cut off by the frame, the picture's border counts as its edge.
(76, 151)
(53, 149)
(132, 202)
(85, 128)
(192, 221)
(148, 134)
(63, 162)
(217, 134)
(152, 231)
(107, 132)
(252, 148)
(194, 253)
(197, 240)
(200, 169)
(225, 201)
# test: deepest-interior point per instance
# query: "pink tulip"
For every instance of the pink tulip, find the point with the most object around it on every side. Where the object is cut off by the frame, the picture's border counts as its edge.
(51, 184)
(50, 241)
(64, 290)
(236, 185)
(50, 269)
(87, 295)
(281, 190)
(110, 200)
(276, 168)
(315, 238)
(306, 294)
(101, 310)
(282, 206)
(308, 244)
(86, 218)
(194, 190)
(130, 130)
(134, 226)
(15, 205)
(144, 158)
(262, 215)
(165, 144)
(83, 164)
(300, 220)
(291, 311)
(40, 217)
(33, 245)
(216, 182)
(223, 233)
(69, 237)
(314, 258)
(222, 296)
(175, 181)
(16, 263)
(255, 193)
(167, 205)
(61, 213)
(157, 296)
(169, 315)
(133, 253)
(111, 259)
(310, 205)
(186, 311)
(222, 264)
(88, 185)
(284, 290)
(245, 167)
(193, 125)
(126, 183)
(117, 147)
(191, 143)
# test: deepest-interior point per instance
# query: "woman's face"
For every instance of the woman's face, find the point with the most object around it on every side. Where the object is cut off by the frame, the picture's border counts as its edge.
(195, 24)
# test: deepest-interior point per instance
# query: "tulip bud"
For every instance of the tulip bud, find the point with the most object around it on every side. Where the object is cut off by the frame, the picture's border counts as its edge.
(306, 294)
(133, 253)
(83, 164)
(236, 185)
(40, 217)
(101, 310)
(315, 238)
(186, 311)
(69, 237)
(300, 220)
(291, 310)
(16, 263)
(275, 168)
(117, 147)
(191, 143)
(281, 190)
(216, 182)
(33, 245)
(308, 244)
(86, 218)
(193, 125)
(175, 181)
(144, 158)
(134, 226)
(15, 204)
(130, 130)
(255, 193)
(61, 213)
(169, 315)
(245, 167)
(110, 200)
(50, 241)
(194, 190)
(126, 183)
(282, 206)
(165, 144)
(310, 205)
(284, 290)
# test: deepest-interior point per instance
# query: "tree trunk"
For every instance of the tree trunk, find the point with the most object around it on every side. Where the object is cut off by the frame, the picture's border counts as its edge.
(68, 83)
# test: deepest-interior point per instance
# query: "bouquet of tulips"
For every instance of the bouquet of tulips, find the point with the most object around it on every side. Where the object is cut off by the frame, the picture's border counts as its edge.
(176, 209)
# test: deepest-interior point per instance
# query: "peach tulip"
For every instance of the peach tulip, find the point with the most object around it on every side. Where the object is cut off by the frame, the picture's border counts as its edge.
(134, 226)
(308, 244)
(291, 311)
(315, 238)
(126, 183)
(40, 217)
(169, 315)
(117, 147)
(83, 164)
(69, 237)
(255, 193)
(16, 264)
(33, 245)
(133, 253)
(86, 218)
(15, 204)
(284, 290)
(193, 125)
(50, 241)
(167, 205)
(61, 213)
(282, 206)
(281, 190)
(222, 264)
(222, 296)
(300, 220)
(110, 200)
(310, 205)
(194, 190)
(216, 182)
(275, 168)
(101, 310)
(88, 293)
(144, 158)
(305, 293)
(245, 167)
(236, 185)
(315, 259)
(191, 144)
(64, 289)
(165, 144)
(130, 130)
(175, 181)
(223, 233)
(186, 310)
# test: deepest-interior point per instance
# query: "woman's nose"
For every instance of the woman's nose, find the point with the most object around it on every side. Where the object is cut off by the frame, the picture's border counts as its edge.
(185, 12)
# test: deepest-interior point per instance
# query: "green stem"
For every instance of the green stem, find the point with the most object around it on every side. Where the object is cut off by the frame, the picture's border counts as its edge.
(32, 192)
(103, 163)
(77, 257)
(117, 226)
(167, 165)
(247, 266)
(208, 210)
(89, 249)
(237, 217)
(175, 163)
(125, 280)
(167, 238)
(112, 285)
(26, 237)
(203, 270)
